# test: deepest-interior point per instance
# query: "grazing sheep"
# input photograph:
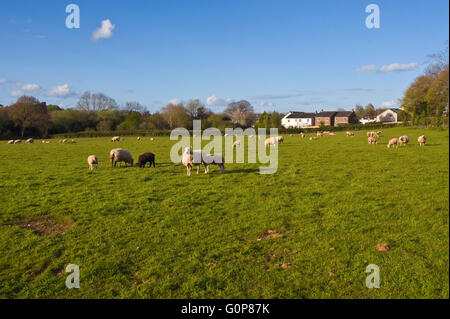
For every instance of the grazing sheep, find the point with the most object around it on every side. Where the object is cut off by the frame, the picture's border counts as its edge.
(350, 134)
(319, 134)
(379, 133)
(121, 155)
(290, 135)
(403, 140)
(151, 139)
(63, 141)
(392, 142)
(280, 139)
(302, 135)
(216, 159)
(11, 142)
(17, 141)
(115, 139)
(188, 159)
(372, 140)
(422, 140)
(313, 138)
(146, 158)
(72, 141)
(326, 133)
(92, 161)
(29, 141)
(237, 143)
(271, 141)
(331, 134)
(138, 138)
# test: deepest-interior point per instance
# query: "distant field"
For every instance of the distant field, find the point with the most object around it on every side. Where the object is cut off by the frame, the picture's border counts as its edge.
(155, 233)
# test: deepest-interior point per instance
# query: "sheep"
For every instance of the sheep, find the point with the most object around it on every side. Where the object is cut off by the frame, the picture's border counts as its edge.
(392, 142)
(216, 159)
(379, 133)
(271, 141)
(188, 159)
(72, 141)
(331, 134)
(11, 142)
(326, 133)
(350, 134)
(29, 141)
(92, 161)
(313, 138)
(290, 135)
(115, 139)
(237, 144)
(373, 134)
(17, 141)
(146, 158)
(403, 140)
(138, 138)
(121, 155)
(280, 139)
(302, 135)
(422, 140)
(63, 141)
(372, 140)
(319, 134)
(151, 139)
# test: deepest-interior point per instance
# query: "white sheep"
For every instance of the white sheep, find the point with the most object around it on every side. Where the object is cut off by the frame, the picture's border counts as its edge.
(319, 134)
(313, 138)
(371, 140)
(17, 141)
(115, 139)
(302, 135)
(92, 161)
(29, 141)
(11, 142)
(138, 138)
(280, 139)
(271, 141)
(121, 155)
(403, 140)
(392, 142)
(193, 158)
(350, 134)
(422, 140)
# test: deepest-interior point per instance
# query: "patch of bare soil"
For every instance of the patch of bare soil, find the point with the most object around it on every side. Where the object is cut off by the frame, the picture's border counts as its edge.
(46, 226)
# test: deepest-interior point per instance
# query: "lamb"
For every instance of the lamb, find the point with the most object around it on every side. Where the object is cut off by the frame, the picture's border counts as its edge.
(138, 138)
(280, 139)
(92, 161)
(146, 158)
(237, 144)
(422, 140)
(372, 140)
(11, 142)
(121, 155)
(188, 159)
(403, 140)
(17, 141)
(350, 134)
(29, 141)
(271, 141)
(392, 142)
(115, 139)
(216, 159)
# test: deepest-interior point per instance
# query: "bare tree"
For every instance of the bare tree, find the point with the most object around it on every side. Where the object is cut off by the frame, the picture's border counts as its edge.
(96, 102)
(134, 106)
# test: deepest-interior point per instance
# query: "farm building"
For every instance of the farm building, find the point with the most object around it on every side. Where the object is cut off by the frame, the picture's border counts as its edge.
(345, 117)
(297, 120)
(325, 118)
(390, 115)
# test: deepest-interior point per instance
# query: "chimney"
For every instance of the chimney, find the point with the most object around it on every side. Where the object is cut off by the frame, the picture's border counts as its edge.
(321, 110)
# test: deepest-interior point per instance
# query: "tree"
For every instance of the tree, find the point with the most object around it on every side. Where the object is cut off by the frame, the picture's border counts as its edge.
(369, 111)
(359, 111)
(176, 116)
(134, 107)
(96, 102)
(52, 108)
(242, 106)
(131, 122)
(29, 112)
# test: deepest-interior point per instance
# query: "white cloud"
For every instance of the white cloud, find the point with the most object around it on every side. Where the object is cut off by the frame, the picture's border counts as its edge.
(16, 93)
(396, 67)
(60, 91)
(366, 68)
(389, 103)
(175, 101)
(214, 101)
(2, 80)
(30, 87)
(104, 32)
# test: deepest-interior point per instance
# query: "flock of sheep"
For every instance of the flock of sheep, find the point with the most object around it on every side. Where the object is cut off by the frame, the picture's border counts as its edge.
(196, 158)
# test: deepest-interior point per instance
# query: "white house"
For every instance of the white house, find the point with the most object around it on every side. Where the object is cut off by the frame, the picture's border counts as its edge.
(297, 119)
(390, 115)
(365, 121)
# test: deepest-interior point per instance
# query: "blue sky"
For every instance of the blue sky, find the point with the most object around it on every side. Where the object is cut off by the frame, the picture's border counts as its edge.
(279, 55)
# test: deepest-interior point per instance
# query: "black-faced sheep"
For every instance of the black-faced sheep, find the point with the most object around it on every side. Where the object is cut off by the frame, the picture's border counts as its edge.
(146, 158)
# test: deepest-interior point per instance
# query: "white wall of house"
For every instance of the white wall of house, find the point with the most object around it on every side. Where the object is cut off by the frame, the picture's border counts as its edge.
(387, 116)
(296, 122)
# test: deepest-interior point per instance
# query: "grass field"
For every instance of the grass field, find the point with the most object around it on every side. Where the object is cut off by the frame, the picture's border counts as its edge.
(155, 233)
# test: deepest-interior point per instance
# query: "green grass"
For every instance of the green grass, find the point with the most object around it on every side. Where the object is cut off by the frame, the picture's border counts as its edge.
(155, 233)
